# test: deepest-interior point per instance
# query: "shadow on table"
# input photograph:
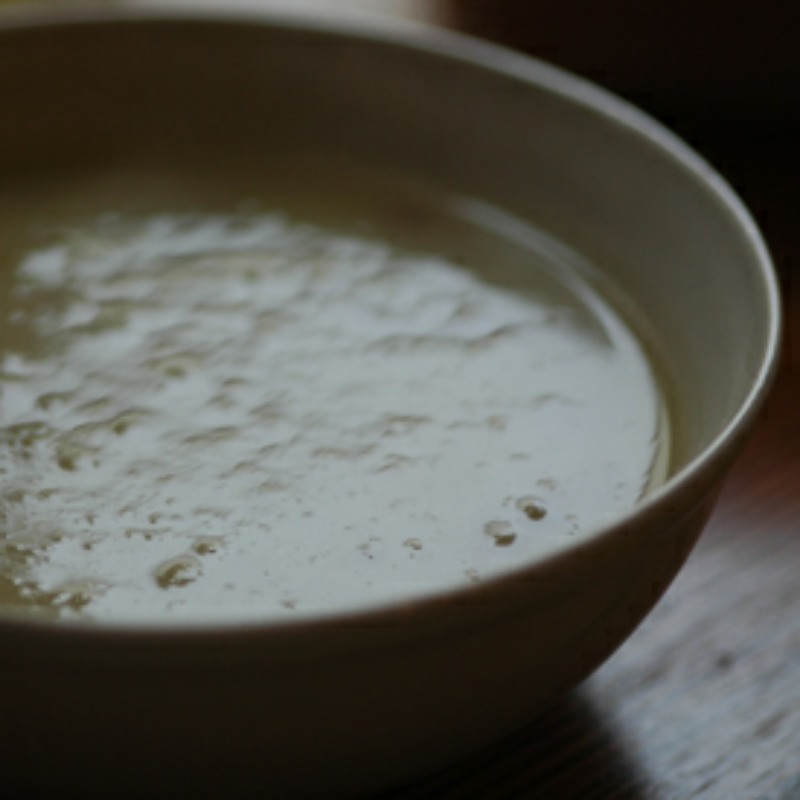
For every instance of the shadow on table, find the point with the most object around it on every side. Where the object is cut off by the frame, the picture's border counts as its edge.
(566, 754)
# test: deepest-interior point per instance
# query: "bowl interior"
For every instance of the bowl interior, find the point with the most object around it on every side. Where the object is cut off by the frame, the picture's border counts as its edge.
(577, 165)
(204, 94)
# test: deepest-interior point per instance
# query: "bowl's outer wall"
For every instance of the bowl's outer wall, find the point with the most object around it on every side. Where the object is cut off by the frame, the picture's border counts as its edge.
(339, 708)
(117, 719)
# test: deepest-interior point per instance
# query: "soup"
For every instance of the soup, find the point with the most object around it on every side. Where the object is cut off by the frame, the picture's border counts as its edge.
(230, 397)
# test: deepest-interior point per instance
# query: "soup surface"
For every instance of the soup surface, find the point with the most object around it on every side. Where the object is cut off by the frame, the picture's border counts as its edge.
(297, 394)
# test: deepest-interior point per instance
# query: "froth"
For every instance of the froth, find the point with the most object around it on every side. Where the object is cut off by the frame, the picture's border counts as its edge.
(217, 417)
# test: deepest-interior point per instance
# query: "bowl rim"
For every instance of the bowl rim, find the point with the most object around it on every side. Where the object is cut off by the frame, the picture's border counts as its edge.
(434, 43)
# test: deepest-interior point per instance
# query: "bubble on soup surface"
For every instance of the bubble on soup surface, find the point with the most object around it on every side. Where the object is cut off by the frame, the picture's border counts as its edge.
(178, 572)
(533, 507)
(207, 545)
(502, 532)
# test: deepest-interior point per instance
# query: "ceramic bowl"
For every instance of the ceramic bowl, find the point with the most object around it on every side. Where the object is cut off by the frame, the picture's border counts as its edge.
(358, 702)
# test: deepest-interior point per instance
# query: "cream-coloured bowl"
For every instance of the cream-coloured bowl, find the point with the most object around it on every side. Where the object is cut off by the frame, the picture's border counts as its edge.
(360, 701)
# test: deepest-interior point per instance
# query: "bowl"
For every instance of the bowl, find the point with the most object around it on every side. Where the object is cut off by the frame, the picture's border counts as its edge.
(356, 702)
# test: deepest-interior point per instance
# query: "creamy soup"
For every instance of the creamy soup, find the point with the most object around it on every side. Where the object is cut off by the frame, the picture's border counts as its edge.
(333, 392)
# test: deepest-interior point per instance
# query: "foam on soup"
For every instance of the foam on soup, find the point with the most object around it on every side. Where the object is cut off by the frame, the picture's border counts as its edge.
(333, 394)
